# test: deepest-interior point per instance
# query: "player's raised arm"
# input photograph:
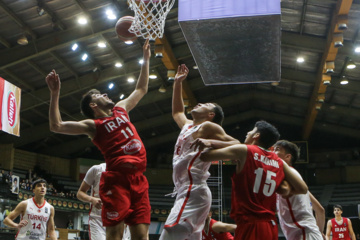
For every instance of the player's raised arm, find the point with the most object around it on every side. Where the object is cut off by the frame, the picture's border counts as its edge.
(55, 120)
(178, 109)
(142, 84)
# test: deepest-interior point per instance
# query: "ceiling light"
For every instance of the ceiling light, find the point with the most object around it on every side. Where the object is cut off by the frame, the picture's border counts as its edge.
(23, 40)
(84, 57)
(357, 49)
(153, 76)
(118, 65)
(74, 46)
(141, 61)
(82, 20)
(111, 85)
(300, 59)
(110, 14)
(101, 44)
(122, 96)
(130, 80)
(344, 81)
(129, 42)
(162, 89)
(350, 65)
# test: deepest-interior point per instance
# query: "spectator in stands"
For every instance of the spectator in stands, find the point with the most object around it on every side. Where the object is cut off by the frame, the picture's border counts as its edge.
(70, 224)
(23, 184)
(61, 194)
(2, 175)
(6, 211)
(358, 236)
(9, 177)
(1, 219)
(28, 186)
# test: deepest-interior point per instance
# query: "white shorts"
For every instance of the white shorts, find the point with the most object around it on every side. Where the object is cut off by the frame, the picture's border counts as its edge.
(187, 218)
(314, 236)
(96, 229)
(308, 236)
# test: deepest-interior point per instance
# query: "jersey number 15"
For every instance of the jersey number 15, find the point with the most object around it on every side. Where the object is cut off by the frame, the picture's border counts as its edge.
(269, 185)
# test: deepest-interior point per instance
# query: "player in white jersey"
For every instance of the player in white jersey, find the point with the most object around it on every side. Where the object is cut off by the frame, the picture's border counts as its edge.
(92, 180)
(192, 204)
(296, 212)
(37, 216)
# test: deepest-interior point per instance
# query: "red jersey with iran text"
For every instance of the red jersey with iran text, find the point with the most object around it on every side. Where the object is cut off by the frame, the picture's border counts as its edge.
(253, 195)
(119, 142)
(209, 234)
(340, 232)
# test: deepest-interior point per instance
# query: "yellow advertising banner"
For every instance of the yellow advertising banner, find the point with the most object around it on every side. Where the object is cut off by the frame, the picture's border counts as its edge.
(10, 99)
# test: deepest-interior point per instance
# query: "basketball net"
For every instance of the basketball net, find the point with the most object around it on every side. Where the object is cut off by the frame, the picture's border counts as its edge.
(150, 16)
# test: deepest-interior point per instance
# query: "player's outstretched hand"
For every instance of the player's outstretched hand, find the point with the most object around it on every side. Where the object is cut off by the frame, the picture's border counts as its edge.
(53, 81)
(146, 50)
(22, 223)
(182, 73)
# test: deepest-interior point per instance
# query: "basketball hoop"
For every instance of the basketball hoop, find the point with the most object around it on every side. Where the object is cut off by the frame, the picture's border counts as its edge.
(150, 16)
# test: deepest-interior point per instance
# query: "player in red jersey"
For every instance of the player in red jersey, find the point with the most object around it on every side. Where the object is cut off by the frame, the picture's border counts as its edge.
(258, 175)
(216, 230)
(340, 227)
(123, 187)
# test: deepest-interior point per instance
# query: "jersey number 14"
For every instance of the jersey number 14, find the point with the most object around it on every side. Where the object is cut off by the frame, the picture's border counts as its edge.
(269, 185)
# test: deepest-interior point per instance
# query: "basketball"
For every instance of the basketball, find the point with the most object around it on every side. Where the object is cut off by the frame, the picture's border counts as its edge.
(122, 28)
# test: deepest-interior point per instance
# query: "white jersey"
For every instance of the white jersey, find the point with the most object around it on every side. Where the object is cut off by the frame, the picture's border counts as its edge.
(296, 216)
(186, 160)
(92, 178)
(37, 217)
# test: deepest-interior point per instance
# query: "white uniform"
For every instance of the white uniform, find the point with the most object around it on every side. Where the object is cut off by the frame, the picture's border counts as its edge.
(37, 217)
(96, 229)
(296, 217)
(193, 201)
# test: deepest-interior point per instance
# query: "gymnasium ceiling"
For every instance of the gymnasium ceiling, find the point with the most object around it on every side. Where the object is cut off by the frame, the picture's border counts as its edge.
(294, 105)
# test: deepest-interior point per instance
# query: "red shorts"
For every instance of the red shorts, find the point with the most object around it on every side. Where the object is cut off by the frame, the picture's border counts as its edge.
(259, 230)
(125, 197)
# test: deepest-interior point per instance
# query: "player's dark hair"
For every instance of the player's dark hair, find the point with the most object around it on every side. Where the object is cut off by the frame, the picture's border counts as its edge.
(337, 206)
(219, 114)
(40, 180)
(86, 110)
(268, 134)
(290, 148)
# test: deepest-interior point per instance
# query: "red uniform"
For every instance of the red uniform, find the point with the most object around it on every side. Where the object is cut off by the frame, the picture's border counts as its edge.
(211, 235)
(340, 232)
(253, 200)
(123, 190)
